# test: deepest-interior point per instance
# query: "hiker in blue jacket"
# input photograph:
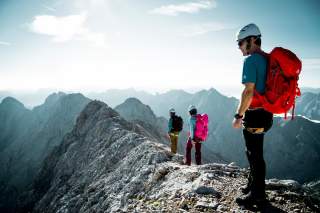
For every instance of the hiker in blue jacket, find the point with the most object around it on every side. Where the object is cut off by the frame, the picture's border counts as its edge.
(192, 140)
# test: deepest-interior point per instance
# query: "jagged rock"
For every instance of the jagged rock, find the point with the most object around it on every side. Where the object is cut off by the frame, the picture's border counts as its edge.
(178, 158)
(222, 208)
(233, 164)
(160, 173)
(275, 184)
(206, 205)
(205, 190)
(183, 204)
(313, 184)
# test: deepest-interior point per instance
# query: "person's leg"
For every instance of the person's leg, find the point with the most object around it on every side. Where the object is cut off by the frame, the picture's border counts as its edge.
(171, 141)
(259, 166)
(198, 153)
(247, 188)
(254, 145)
(174, 144)
(256, 182)
(188, 152)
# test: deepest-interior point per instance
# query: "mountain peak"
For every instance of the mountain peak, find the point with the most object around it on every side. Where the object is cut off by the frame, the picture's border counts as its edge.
(211, 91)
(134, 109)
(11, 102)
(53, 98)
(73, 97)
(133, 100)
(92, 113)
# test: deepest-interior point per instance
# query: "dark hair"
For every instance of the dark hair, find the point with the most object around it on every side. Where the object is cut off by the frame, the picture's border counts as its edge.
(193, 112)
(258, 41)
(172, 114)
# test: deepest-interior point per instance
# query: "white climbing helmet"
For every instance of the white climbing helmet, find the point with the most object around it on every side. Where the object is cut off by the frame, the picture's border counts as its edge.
(172, 110)
(191, 107)
(248, 30)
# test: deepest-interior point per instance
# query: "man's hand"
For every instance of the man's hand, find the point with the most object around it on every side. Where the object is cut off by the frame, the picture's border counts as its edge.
(237, 123)
(168, 136)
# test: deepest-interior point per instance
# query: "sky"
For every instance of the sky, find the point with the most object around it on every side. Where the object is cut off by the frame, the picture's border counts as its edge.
(152, 45)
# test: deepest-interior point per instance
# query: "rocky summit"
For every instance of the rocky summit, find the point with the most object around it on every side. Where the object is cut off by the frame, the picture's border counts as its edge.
(107, 164)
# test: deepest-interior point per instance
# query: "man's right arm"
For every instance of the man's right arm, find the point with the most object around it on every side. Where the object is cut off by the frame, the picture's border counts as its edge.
(246, 98)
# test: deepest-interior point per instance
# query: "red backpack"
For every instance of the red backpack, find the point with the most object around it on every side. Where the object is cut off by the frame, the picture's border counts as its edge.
(283, 71)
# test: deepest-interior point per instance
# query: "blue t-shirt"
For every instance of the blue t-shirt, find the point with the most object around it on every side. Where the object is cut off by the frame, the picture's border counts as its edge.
(255, 71)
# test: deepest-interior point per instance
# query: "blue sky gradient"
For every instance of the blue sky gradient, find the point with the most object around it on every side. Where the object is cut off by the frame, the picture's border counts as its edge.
(147, 44)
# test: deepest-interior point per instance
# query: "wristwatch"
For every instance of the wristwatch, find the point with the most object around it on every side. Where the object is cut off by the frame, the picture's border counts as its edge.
(238, 116)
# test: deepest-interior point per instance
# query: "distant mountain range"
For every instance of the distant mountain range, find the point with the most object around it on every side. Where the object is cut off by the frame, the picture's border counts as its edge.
(308, 105)
(28, 137)
(310, 89)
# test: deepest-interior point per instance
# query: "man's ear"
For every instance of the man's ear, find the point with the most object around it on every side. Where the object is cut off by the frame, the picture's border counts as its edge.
(255, 40)
(252, 40)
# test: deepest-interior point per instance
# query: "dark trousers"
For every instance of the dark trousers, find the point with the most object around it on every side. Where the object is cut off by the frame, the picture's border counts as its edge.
(254, 148)
(254, 151)
(197, 153)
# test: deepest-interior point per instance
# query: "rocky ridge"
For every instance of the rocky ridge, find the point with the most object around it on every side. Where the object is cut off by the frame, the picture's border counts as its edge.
(106, 164)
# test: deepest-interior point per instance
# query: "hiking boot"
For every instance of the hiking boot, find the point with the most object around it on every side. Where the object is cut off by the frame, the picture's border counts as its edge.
(245, 189)
(251, 199)
(186, 163)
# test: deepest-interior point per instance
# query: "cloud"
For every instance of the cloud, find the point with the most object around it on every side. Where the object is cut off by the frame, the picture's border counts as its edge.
(4, 43)
(66, 28)
(203, 28)
(190, 7)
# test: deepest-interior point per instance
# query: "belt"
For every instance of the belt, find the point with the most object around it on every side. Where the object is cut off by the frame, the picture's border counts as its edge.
(174, 133)
(255, 108)
(255, 130)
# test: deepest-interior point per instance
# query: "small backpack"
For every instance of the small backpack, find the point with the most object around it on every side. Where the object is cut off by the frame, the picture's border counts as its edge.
(177, 123)
(201, 130)
(283, 71)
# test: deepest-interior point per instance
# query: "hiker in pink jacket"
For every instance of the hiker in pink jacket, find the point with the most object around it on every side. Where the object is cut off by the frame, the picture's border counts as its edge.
(198, 133)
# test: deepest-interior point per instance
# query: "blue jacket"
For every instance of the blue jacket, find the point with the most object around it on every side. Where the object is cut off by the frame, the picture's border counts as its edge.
(170, 125)
(192, 125)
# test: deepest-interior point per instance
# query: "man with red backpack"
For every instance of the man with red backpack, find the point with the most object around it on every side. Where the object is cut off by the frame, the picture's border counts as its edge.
(256, 120)
(271, 86)
(198, 133)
